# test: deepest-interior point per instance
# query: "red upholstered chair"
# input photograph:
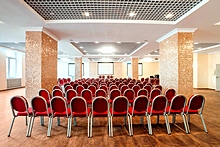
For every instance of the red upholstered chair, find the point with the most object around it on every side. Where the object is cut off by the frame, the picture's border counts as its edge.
(130, 95)
(119, 108)
(46, 95)
(136, 88)
(157, 81)
(113, 94)
(57, 87)
(142, 92)
(67, 87)
(79, 89)
(177, 106)
(71, 93)
(57, 92)
(100, 108)
(85, 85)
(68, 80)
(139, 108)
(158, 107)
(100, 92)
(92, 88)
(148, 88)
(123, 88)
(120, 85)
(159, 87)
(195, 106)
(113, 87)
(87, 95)
(78, 108)
(19, 107)
(130, 85)
(59, 109)
(75, 85)
(104, 87)
(141, 85)
(142, 79)
(152, 81)
(64, 80)
(149, 84)
(71, 83)
(169, 93)
(155, 92)
(39, 108)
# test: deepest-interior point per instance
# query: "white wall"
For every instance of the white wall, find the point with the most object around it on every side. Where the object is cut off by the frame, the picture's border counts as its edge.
(3, 80)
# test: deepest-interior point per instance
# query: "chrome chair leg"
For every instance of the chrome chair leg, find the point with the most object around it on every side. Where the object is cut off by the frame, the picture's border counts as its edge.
(11, 126)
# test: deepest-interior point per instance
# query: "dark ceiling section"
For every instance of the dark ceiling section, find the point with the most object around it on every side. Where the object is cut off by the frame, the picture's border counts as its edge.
(155, 10)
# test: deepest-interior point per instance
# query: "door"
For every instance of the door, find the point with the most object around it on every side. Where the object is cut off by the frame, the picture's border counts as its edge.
(217, 88)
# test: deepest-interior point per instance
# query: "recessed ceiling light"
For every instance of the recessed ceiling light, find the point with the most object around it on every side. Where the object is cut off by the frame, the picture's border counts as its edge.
(107, 49)
(169, 15)
(1, 22)
(96, 42)
(118, 42)
(80, 47)
(86, 14)
(155, 51)
(16, 42)
(196, 43)
(76, 42)
(131, 14)
(84, 51)
(51, 13)
(138, 42)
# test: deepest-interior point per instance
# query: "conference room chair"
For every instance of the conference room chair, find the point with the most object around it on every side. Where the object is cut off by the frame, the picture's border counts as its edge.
(39, 108)
(71, 93)
(195, 105)
(142, 92)
(57, 92)
(177, 106)
(45, 94)
(19, 107)
(67, 87)
(87, 95)
(169, 93)
(123, 88)
(92, 88)
(100, 92)
(159, 87)
(155, 92)
(100, 108)
(113, 94)
(148, 88)
(59, 109)
(136, 88)
(120, 106)
(79, 89)
(158, 107)
(130, 95)
(139, 108)
(78, 108)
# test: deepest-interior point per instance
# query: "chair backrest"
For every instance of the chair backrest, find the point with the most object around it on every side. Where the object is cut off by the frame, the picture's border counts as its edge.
(178, 103)
(123, 88)
(196, 102)
(159, 87)
(39, 104)
(155, 92)
(157, 81)
(129, 94)
(70, 94)
(45, 94)
(85, 85)
(158, 105)
(130, 85)
(68, 87)
(68, 80)
(100, 92)
(100, 105)
(142, 92)
(57, 87)
(141, 85)
(170, 93)
(87, 95)
(59, 106)
(79, 89)
(149, 84)
(114, 93)
(142, 79)
(104, 87)
(19, 104)
(78, 105)
(152, 81)
(75, 85)
(148, 88)
(113, 87)
(136, 88)
(120, 85)
(57, 92)
(120, 106)
(140, 104)
(92, 88)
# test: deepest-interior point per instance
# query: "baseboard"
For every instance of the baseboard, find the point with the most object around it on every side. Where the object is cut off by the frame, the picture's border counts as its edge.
(12, 88)
(203, 88)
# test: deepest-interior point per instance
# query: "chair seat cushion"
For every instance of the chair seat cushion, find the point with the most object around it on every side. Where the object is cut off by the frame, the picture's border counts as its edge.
(139, 113)
(154, 112)
(115, 114)
(62, 114)
(81, 114)
(173, 111)
(44, 113)
(190, 111)
(25, 113)
(98, 114)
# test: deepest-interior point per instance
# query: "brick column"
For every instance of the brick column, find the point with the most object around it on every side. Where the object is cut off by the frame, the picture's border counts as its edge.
(134, 68)
(78, 68)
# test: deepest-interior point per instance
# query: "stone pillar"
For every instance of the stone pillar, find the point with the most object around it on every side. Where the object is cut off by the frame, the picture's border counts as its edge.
(40, 62)
(134, 68)
(78, 68)
(3, 77)
(176, 61)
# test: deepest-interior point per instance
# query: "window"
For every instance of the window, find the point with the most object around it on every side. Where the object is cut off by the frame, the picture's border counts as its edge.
(105, 68)
(11, 64)
(71, 69)
(140, 69)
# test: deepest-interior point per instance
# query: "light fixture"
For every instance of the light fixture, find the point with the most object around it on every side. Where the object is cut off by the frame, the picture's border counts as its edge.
(196, 43)
(84, 51)
(86, 14)
(96, 42)
(131, 14)
(107, 49)
(76, 42)
(80, 47)
(155, 51)
(138, 42)
(16, 42)
(169, 15)
(118, 42)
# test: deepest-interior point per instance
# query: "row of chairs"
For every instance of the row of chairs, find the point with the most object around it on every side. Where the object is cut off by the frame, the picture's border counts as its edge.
(101, 108)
